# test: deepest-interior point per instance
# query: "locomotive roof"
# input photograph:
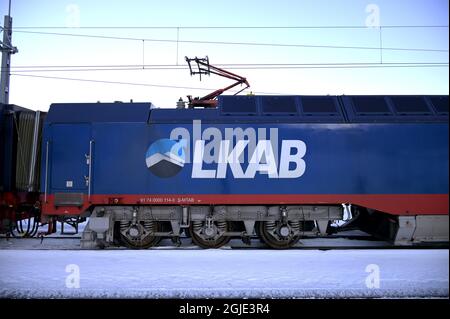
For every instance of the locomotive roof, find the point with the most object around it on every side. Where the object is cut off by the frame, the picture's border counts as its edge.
(264, 109)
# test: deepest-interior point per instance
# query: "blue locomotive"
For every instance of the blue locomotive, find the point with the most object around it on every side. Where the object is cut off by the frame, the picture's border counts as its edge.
(277, 167)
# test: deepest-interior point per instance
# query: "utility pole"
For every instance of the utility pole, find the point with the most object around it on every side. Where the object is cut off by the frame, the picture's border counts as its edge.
(7, 50)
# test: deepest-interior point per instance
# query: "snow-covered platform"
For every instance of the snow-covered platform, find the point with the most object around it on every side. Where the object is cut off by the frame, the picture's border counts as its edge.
(224, 273)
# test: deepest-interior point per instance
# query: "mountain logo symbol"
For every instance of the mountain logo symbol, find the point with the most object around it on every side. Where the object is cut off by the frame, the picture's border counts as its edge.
(165, 157)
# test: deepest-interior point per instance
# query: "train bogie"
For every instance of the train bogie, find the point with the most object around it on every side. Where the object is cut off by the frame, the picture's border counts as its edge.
(209, 226)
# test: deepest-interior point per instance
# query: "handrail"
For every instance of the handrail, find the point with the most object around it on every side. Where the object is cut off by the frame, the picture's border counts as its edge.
(46, 172)
(90, 169)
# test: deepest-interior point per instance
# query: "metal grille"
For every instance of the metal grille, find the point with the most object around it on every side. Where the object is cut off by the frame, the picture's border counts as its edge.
(69, 199)
(28, 150)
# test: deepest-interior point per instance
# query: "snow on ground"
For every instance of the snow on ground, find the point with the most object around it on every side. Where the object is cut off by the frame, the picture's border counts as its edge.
(226, 273)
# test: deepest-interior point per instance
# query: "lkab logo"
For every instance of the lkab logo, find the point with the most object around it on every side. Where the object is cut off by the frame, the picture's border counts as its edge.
(241, 153)
(165, 157)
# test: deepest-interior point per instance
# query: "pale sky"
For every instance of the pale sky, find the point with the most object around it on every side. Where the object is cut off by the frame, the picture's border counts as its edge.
(65, 56)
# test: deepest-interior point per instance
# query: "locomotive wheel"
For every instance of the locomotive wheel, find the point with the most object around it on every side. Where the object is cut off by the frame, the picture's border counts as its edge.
(209, 237)
(139, 236)
(278, 235)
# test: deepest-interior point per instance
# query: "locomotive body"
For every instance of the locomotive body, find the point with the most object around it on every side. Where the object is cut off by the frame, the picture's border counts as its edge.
(277, 167)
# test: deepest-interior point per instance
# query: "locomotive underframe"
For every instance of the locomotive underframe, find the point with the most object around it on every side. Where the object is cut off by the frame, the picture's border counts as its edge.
(102, 231)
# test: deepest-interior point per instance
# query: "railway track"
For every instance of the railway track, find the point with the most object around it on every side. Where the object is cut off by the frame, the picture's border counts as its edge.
(334, 243)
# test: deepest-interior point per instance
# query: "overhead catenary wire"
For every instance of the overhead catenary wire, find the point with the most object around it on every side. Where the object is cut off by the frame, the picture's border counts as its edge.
(24, 69)
(34, 69)
(129, 83)
(134, 83)
(236, 27)
(111, 82)
(237, 65)
(122, 83)
(232, 43)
